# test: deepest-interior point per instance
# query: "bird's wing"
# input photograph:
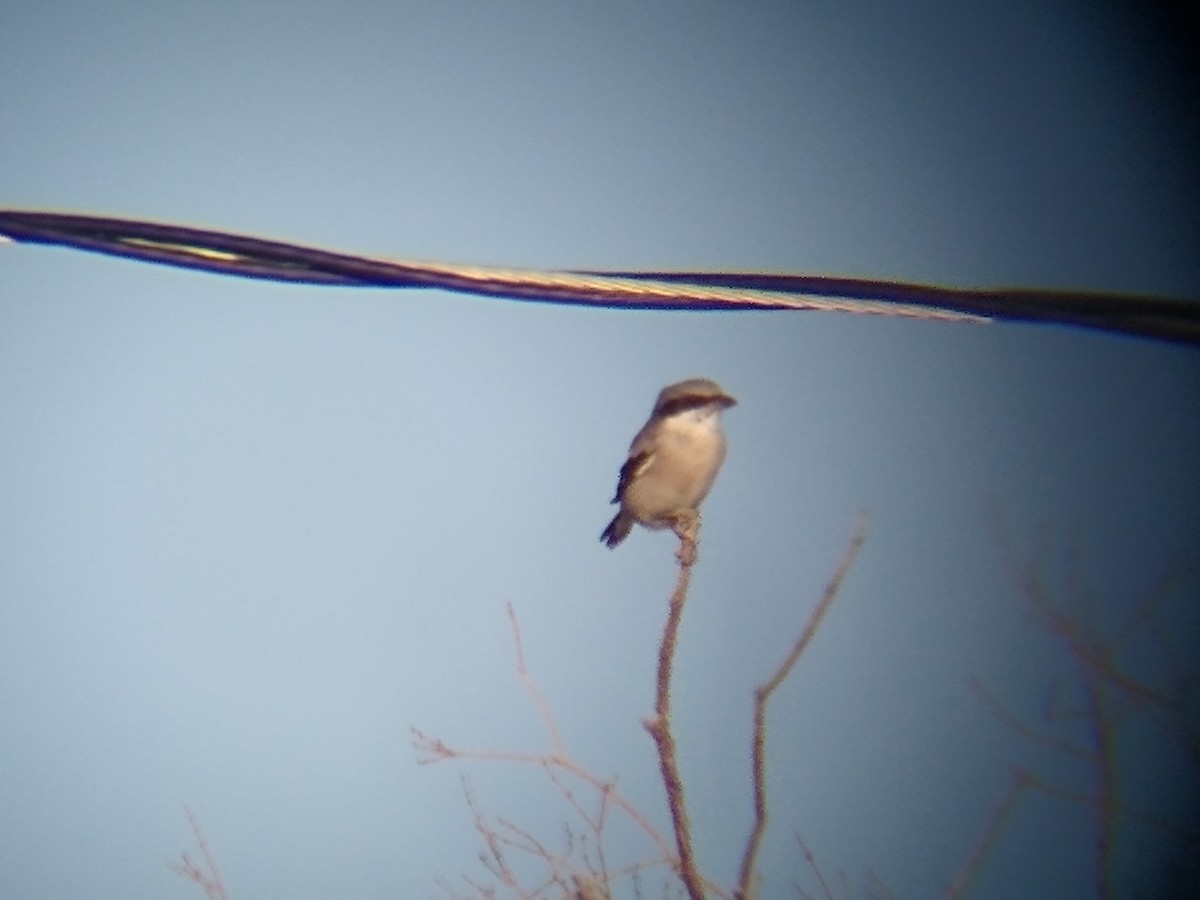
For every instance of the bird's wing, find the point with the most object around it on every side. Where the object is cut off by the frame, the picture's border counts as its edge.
(635, 465)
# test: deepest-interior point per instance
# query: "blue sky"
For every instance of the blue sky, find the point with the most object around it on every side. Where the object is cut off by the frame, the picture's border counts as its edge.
(251, 533)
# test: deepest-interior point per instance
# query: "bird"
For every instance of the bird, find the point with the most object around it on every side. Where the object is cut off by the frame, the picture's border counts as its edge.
(673, 461)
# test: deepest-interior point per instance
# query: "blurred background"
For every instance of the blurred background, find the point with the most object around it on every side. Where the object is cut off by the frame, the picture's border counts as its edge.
(251, 533)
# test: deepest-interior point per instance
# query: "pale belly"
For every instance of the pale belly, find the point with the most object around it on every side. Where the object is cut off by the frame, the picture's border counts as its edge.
(679, 477)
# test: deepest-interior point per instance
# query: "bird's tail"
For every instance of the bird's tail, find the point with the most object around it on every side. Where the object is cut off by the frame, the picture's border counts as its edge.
(617, 530)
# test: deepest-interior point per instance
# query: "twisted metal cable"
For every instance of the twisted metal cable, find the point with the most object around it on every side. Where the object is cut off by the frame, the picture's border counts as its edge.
(250, 257)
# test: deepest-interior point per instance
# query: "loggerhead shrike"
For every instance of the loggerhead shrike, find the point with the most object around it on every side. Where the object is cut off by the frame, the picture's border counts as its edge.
(673, 460)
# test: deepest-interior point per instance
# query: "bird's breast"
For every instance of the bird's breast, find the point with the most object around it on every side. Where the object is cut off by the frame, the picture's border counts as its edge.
(686, 456)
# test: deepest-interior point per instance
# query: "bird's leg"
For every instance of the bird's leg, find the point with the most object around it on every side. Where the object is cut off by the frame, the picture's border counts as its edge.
(687, 528)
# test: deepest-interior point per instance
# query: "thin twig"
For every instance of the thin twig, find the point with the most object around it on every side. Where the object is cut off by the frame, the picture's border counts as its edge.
(557, 764)
(531, 686)
(811, 859)
(1134, 815)
(1103, 733)
(877, 887)
(1021, 782)
(1005, 715)
(437, 750)
(207, 875)
(1110, 697)
(763, 693)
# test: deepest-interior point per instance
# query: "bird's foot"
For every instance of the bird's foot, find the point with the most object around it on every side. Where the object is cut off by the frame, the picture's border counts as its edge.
(687, 529)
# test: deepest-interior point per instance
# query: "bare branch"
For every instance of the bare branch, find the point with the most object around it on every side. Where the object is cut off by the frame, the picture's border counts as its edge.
(1021, 782)
(1109, 696)
(1142, 818)
(205, 874)
(558, 765)
(812, 864)
(660, 726)
(763, 693)
(878, 888)
(531, 686)
(1104, 735)
(1010, 719)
